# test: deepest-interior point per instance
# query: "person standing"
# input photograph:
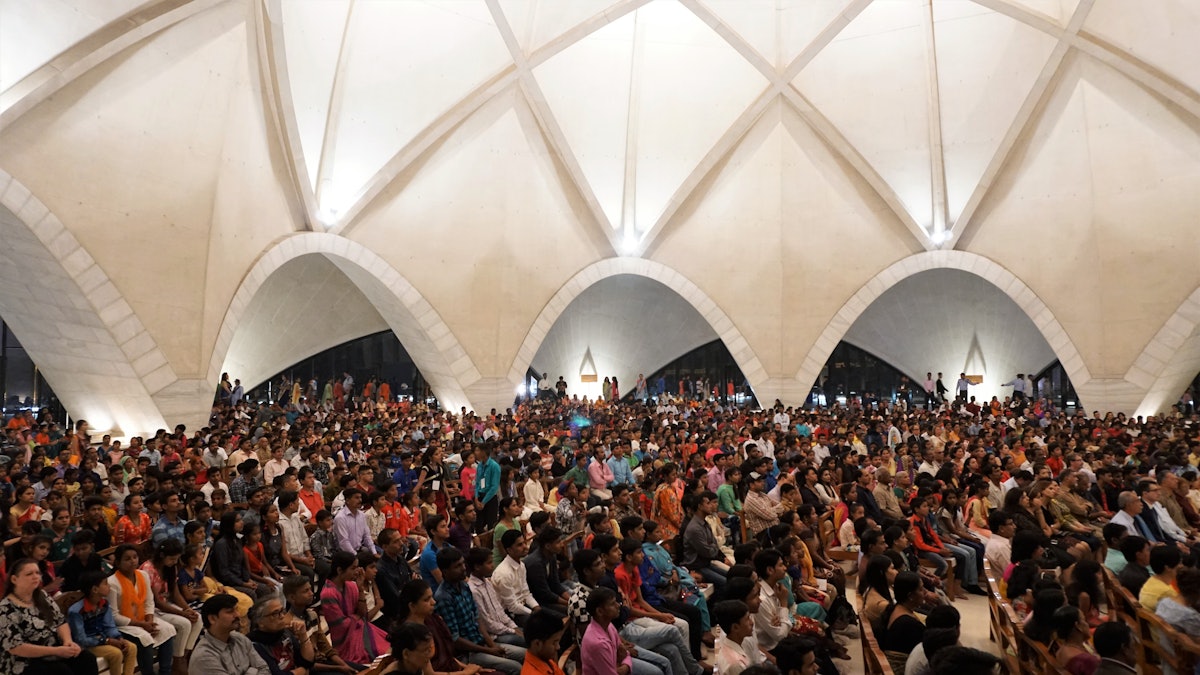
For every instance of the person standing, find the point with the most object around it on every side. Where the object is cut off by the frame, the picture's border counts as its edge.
(487, 488)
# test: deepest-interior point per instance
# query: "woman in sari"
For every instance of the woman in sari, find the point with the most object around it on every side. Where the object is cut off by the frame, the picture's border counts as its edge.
(345, 610)
(24, 510)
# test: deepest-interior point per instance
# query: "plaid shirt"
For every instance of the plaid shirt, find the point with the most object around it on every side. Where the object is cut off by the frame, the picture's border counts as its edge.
(456, 606)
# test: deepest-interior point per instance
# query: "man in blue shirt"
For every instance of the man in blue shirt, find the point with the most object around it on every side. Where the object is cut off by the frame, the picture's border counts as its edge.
(439, 531)
(487, 487)
(456, 605)
(622, 473)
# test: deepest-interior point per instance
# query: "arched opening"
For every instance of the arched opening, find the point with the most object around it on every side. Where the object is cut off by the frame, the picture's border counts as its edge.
(855, 375)
(621, 326)
(22, 385)
(952, 321)
(1054, 384)
(708, 372)
(378, 358)
(315, 291)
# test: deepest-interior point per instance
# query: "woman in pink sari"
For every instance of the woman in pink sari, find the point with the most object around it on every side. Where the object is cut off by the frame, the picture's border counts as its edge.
(356, 639)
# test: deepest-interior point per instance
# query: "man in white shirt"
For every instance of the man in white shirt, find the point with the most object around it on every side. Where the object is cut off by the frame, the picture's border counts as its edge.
(491, 611)
(782, 419)
(736, 648)
(214, 483)
(510, 578)
(294, 536)
(772, 621)
(998, 551)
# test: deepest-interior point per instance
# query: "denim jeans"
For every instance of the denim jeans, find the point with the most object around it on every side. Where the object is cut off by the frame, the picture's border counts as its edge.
(937, 560)
(650, 663)
(669, 640)
(511, 663)
(967, 571)
(713, 577)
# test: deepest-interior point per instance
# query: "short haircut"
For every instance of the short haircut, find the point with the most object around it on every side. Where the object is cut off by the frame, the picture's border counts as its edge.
(629, 547)
(477, 557)
(431, 523)
(1163, 557)
(447, 556)
(959, 659)
(584, 559)
(407, 636)
(542, 625)
(548, 535)
(765, 560)
(604, 542)
(728, 612)
(510, 538)
(1113, 534)
(998, 519)
(943, 616)
(1111, 637)
(286, 499)
(322, 515)
(294, 583)
(599, 597)
(215, 605)
(1132, 545)
(790, 652)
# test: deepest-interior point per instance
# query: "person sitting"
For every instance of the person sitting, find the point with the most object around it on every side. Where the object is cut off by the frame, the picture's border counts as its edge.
(93, 628)
(543, 633)
(83, 559)
(298, 600)
(541, 570)
(1181, 612)
(1048, 598)
(736, 649)
(700, 547)
(221, 648)
(491, 612)
(1116, 647)
(1136, 551)
(282, 642)
(796, 655)
(1114, 534)
(935, 641)
(900, 629)
(875, 587)
(1075, 652)
(457, 607)
(357, 640)
(511, 578)
(37, 638)
(412, 646)
(602, 650)
(1165, 561)
(132, 601)
(418, 607)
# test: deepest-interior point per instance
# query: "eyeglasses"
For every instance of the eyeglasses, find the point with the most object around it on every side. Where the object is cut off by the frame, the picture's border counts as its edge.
(274, 615)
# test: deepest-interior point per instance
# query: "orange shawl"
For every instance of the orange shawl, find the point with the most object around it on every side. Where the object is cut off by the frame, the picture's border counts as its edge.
(133, 596)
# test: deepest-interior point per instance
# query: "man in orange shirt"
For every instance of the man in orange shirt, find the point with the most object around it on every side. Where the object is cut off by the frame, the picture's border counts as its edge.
(309, 494)
(543, 633)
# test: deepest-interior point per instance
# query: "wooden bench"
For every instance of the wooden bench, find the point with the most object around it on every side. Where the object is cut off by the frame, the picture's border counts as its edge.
(874, 660)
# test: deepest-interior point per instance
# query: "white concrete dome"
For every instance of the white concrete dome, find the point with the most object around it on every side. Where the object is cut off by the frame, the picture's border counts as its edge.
(191, 187)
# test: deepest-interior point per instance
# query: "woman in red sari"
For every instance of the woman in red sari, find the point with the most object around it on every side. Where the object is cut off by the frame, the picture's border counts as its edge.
(356, 639)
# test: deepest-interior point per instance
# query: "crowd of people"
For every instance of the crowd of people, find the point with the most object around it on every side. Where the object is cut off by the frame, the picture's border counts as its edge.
(664, 535)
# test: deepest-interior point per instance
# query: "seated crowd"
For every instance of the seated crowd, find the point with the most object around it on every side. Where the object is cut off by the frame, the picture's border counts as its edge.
(679, 537)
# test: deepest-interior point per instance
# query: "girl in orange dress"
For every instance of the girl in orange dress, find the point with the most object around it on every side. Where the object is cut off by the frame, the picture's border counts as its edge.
(668, 511)
(133, 527)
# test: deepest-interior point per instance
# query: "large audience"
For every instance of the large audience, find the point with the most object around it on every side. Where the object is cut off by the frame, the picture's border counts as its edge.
(659, 534)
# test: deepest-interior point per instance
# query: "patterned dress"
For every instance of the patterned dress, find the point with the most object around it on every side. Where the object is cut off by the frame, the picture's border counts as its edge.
(667, 512)
(356, 640)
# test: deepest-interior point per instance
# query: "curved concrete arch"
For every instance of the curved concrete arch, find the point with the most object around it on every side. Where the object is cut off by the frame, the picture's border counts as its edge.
(724, 327)
(1170, 360)
(433, 347)
(94, 50)
(963, 261)
(73, 321)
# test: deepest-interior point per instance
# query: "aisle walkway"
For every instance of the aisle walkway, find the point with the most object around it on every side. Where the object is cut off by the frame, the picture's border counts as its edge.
(976, 621)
